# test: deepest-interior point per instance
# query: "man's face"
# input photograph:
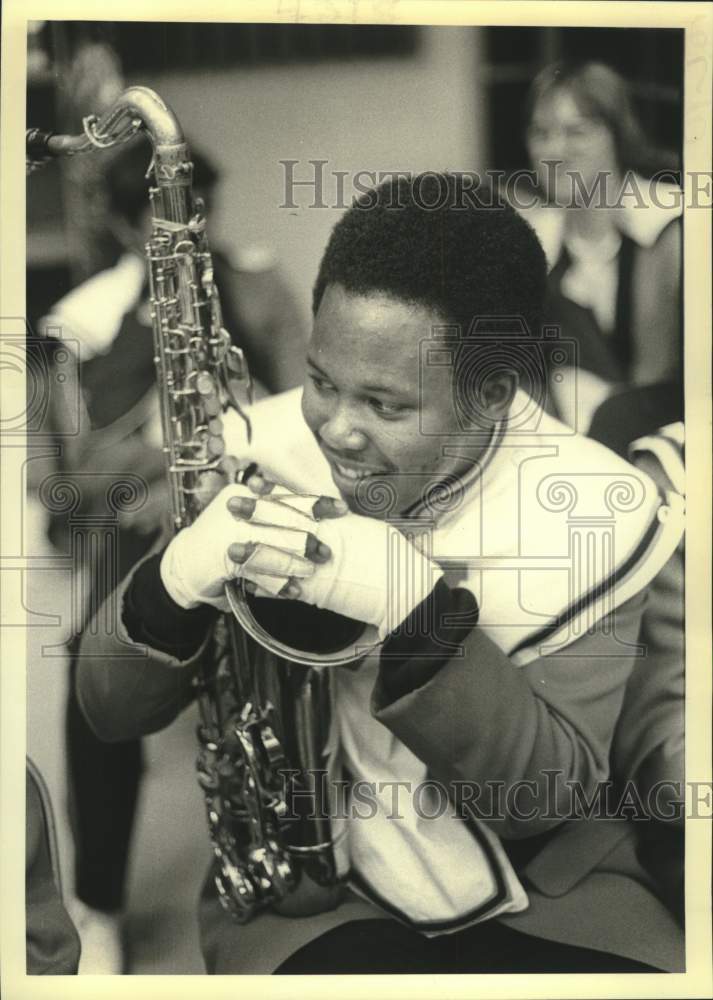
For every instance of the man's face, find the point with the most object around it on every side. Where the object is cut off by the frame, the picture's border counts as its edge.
(367, 396)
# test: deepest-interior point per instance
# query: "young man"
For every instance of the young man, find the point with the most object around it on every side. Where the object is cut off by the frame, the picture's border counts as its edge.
(500, 563)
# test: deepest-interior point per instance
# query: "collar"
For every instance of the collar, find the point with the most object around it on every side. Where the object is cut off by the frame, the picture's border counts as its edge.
(524, 418)
(445, 496)
(647, 208)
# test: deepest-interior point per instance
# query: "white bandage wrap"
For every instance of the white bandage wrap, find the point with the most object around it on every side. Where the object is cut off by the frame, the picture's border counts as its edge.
(196, 564)
(299, 502)
(376, 575)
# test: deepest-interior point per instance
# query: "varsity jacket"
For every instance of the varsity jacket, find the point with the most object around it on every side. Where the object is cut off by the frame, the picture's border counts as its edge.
(534, 690)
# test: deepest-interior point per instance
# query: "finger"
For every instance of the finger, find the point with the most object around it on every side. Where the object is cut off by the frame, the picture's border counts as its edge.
(326, 507)
(292, 540)
(268, 561)
(290, 590)
(241, 506)
(272, 590)
(316, 550)
(268, 511)
(240, 551)
(264, 586)
(259, 484)
(311, 504)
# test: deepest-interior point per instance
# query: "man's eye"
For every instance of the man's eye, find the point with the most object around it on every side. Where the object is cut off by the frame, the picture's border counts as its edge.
(386, 409)
(321, 384)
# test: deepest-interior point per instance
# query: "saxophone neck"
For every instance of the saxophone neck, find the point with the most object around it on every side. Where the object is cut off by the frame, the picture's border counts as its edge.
(139, 107)
(136, 109)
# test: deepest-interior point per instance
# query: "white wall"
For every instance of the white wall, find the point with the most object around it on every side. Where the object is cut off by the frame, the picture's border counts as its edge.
(410, 113)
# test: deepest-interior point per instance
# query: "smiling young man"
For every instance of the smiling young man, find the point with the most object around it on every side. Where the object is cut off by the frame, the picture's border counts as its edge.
(500, 565)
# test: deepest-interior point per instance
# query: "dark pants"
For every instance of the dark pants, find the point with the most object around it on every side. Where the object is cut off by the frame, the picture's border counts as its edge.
(103, 777)
(385, 946)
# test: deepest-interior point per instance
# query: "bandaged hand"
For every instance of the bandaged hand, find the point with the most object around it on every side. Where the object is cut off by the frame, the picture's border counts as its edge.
(375, 574)
(275, 547)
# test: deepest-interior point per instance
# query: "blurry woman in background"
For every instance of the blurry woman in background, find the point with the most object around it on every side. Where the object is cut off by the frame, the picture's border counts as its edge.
(611, 229)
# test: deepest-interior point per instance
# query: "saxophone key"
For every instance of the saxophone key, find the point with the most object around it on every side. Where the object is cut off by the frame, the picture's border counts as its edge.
(239, 388)
(230, 467)
(235, 360)
(205, 384)
(215, 446)
(212, 406)
(210, 483)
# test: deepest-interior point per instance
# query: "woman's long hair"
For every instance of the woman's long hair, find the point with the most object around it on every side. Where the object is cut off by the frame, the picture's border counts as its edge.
(601, 93)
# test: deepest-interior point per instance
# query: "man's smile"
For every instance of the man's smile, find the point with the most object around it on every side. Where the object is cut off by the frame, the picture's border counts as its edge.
(348, 471)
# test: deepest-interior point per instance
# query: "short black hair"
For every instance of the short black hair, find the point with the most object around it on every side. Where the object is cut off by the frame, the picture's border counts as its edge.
(468, 256)
(126, 183)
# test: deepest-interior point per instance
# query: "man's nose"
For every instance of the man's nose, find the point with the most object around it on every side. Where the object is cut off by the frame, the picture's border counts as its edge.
(341, 431)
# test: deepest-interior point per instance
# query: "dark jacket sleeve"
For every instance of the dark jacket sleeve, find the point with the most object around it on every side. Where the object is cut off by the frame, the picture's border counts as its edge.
(649, 740)
(479, 719)
(51, 940)
(136, 679)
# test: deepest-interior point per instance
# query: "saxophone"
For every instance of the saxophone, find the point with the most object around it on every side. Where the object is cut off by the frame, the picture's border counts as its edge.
(267, 760)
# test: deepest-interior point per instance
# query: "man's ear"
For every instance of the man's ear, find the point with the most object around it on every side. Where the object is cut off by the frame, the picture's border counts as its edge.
(497, 393)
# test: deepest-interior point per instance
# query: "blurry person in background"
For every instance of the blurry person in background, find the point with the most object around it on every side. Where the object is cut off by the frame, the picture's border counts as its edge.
(609, 219)
(108, 316)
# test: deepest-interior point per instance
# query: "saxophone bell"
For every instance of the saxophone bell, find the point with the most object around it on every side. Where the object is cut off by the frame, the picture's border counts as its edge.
(340, 640)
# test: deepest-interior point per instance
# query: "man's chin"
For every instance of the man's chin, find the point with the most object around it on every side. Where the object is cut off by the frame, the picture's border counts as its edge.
(399, 494)
(375, 496)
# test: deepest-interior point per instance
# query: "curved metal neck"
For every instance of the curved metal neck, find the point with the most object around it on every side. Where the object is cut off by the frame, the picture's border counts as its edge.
(134, 109)
(154, 114)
